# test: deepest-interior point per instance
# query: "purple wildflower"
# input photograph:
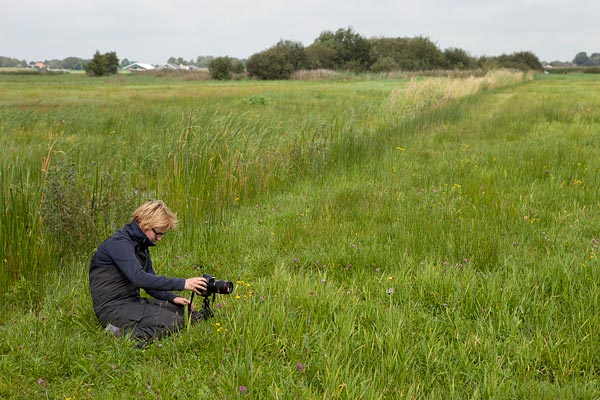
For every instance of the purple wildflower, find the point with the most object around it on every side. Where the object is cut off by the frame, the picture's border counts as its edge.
(42, 382)
(299, 367)
(243, 390)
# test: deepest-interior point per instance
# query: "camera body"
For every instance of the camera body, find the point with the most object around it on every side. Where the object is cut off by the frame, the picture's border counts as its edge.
(216, 286)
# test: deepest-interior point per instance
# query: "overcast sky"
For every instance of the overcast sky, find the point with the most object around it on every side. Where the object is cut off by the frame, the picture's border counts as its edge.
(153, 30)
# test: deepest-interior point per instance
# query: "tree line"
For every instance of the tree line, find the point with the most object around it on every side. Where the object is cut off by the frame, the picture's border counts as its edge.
(583, 60)
(340, 50)
(347, 50)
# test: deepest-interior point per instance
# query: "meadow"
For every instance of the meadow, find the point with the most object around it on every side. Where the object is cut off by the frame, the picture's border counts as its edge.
(424, 238)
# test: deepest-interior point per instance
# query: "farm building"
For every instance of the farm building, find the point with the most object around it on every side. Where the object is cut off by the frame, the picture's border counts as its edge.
(178, 67)
(39, 66)
(138, 67)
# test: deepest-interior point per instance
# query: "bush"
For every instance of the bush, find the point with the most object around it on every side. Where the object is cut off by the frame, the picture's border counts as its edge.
(524, 60)
(220, 68)
(237, 66)
(223, 68)
(385, 64)
(278, 62)
(321, 56)
(103, 64)
(269, 64)
(592, 70)
(350, 50)
(458, 59)
(409, 54)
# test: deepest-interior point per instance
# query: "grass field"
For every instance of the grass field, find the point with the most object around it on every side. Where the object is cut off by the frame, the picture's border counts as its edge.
(432, 238)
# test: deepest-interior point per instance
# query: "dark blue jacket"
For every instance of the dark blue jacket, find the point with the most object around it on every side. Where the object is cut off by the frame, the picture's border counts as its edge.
(120, 267)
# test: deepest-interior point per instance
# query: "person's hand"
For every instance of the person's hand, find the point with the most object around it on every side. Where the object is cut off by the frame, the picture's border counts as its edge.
(197, 284)
(181, 301)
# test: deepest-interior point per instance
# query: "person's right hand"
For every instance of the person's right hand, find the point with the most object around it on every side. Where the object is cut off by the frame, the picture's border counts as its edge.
(197, 284)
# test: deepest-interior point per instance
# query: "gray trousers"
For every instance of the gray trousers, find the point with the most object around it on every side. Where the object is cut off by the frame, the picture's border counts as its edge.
(146, 318)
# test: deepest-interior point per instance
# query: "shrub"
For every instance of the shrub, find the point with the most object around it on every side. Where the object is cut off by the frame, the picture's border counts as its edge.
(278, 62)
(237, 66)
(321, 56)
(223, 68)
(458, 59)
(524, 60)
(220, 68)
(103, 64)
(347, 50)
(269, 65)
(592, 70)
(409, 54)
(385, 64)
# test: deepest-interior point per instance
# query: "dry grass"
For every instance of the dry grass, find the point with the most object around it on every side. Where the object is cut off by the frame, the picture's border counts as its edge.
(196, 75)
(315, 75)
(435, 92)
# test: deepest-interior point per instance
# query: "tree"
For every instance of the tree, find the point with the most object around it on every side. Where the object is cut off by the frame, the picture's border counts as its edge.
(523, 60)
(12, 62)
(74, 63)
(321, 56)
(409, 54)
(426, 55)
(278, 62)
(385, 64)
(177, 61)
(103, 64)
(220, 68)
(458, 59)
(293, 52)
(237, 66)
(581, 59)
(269, 64)
(594, 60)
(203, 61)
(53, 64)
(528, 60)
(112, 62)
(350, 50)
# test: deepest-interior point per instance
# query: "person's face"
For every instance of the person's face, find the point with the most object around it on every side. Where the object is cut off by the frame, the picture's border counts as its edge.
(156, 234)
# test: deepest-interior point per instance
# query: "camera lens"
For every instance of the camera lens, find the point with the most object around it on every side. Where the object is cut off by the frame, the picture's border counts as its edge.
(223, 287)
(215, 286)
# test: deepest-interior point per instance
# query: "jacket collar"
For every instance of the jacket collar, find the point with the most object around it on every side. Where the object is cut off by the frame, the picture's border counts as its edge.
(137, 235)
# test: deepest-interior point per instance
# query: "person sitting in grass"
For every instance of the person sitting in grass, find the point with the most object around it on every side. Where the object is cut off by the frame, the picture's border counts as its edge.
(121, 265)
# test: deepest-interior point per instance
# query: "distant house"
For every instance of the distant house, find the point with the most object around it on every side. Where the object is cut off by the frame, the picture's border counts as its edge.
(169, 67)
(40, 66)
(179, 67)
(138, 67)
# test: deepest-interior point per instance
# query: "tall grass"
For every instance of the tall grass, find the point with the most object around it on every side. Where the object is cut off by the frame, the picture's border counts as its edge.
(433, 242)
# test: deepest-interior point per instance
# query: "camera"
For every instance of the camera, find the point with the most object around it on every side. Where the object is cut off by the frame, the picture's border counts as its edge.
(215, 286)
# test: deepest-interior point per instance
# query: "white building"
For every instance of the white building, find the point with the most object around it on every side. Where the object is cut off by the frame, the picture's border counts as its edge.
(138, 67)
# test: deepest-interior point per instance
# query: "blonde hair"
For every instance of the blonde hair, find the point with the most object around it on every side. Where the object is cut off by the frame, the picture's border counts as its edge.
(153, 214)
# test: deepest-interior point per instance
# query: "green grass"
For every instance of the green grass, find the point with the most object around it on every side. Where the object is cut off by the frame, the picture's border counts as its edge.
(389, 239)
